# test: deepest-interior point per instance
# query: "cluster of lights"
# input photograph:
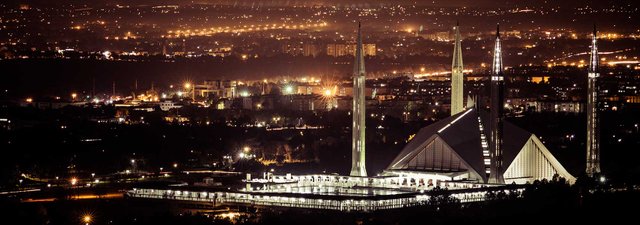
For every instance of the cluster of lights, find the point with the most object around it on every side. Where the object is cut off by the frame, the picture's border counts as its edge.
(434, 74)
(246, 153)
(240, 29)
(243, 155)
(127, 36)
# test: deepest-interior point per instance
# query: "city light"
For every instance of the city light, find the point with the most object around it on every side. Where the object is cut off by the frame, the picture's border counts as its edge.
(243, 155)
(86, 219)
(288, 89)
(106, 54)
(272, 84)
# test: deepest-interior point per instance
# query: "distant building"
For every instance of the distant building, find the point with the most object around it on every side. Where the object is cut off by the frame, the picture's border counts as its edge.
(554, 106)
(168, 105)
(49, 103)
(337, 50)
(219, 52)
(310, 50)
(217, 89)
(299, 102)
(300, 49)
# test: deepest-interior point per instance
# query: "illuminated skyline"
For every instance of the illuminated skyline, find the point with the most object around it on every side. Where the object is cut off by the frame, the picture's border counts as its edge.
(263, 112)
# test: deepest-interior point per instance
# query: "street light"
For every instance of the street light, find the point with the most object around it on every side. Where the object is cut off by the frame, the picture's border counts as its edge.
(288, 89)
(86, 219)
(74, 181)
(188, 88)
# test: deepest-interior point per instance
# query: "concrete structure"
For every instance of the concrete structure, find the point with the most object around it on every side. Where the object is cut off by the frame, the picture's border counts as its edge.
(457, 76)
(455, 149)
(358, 141)
(497, 114)
(593, 131)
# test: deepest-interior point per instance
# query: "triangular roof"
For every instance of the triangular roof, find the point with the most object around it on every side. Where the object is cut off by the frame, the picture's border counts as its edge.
(461, 133)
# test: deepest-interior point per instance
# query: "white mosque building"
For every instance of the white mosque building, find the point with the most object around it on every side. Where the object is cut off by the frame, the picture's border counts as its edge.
(469, 153)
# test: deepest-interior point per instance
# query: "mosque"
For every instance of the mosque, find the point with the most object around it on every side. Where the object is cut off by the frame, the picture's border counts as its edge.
(469, 153)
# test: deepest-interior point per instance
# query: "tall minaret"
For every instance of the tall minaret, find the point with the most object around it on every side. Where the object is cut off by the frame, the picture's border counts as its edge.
(593, 132)
(497, 113)
(358, 150)
(457, 77)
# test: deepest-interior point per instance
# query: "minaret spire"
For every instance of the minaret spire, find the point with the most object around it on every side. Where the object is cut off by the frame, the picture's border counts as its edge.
(593, 131)
(497, 55)
(358, 141)
(497, 113)
(457, 76)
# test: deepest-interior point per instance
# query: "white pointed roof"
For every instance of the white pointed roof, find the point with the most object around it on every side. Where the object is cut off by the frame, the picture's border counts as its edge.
(459, 137)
